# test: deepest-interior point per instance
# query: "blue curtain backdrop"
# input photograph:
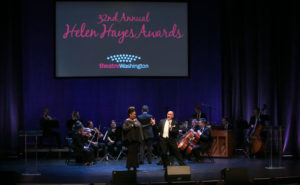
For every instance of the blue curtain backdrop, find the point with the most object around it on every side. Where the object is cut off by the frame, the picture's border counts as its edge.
(260, 50)
(260, 58)
(104, 99)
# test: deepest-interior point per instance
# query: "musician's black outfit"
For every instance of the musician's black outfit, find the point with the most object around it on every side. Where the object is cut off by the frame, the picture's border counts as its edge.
(204, 143)
(168, 141)
(116, 136)
(82, 155)
(197, 116)
(71, 124)
(132, 138)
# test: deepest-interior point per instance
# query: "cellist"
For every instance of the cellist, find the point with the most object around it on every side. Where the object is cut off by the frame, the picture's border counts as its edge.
(256, 133)
(204, 142)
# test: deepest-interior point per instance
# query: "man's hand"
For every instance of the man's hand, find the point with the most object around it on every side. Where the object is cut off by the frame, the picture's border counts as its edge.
(152, 121)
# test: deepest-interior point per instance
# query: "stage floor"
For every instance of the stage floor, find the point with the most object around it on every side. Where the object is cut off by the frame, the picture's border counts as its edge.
(56, 171)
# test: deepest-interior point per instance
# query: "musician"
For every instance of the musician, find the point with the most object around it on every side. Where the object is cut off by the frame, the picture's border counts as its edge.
(145, 120)
(132, 138)
(204, 141)
(96, 135)
(168, 129)
(258, 118)
(47, 131)
(198, 114)
(226, 124)
(72, 122)
(114, 138)
(84, 154)
(90, 127)
(46, 115)
(195, 125)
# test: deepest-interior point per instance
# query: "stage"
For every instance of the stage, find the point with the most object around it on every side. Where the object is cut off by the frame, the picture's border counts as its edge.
(56, 171)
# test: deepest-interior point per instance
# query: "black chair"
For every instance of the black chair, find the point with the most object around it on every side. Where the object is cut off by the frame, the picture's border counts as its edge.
(122, 152)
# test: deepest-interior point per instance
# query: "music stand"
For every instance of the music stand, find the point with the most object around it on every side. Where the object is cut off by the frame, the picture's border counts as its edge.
(271, 166)
(30, 133)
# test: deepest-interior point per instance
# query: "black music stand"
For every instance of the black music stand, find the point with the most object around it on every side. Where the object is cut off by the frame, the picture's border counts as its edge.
(46, 126)
(271, 129)
(36, 134)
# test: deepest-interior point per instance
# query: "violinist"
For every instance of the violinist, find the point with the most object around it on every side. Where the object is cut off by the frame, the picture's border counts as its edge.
(95, 135)
(204, 141)
(93, 130)
(84, 153)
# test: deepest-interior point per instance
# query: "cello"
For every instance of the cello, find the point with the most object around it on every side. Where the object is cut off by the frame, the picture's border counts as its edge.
(188, 141)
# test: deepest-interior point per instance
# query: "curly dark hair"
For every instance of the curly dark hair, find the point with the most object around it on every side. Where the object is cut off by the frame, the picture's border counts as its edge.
(131, 109)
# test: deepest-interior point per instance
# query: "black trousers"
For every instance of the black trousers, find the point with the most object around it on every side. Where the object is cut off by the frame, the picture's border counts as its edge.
(198, 149)
(170, 144)
(146, 143)
(115, 148)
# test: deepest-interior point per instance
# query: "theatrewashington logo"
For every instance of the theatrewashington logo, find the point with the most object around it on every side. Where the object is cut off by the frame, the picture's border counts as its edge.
(123, 61)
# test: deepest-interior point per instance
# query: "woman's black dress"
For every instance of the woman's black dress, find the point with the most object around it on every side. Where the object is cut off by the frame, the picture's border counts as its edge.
(132, 138)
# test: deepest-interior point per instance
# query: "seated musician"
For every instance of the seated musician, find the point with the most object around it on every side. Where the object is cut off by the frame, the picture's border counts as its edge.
(47, 130)
(95, 138)
(195, 125)
(72, 122)
(114, 139)
(204, 142)
(84, 153)
(226, 124)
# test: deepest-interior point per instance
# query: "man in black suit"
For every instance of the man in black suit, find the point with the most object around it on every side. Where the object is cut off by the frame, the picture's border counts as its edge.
(226, 124)
(205, 139)
(198, 114)
(145, 119)
(168, 129)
